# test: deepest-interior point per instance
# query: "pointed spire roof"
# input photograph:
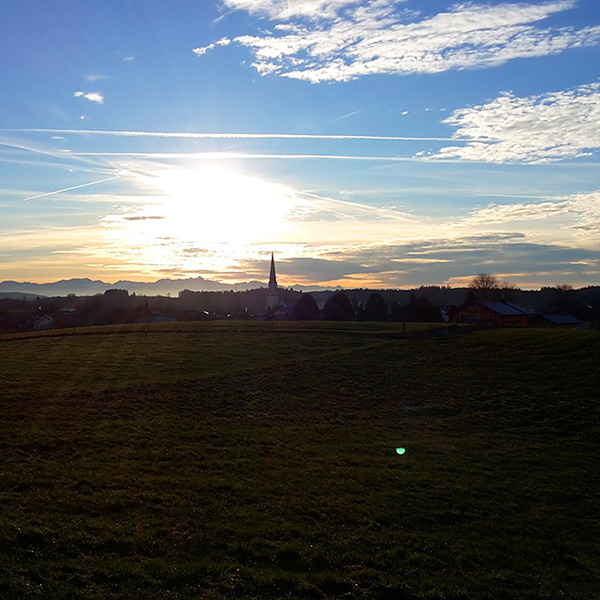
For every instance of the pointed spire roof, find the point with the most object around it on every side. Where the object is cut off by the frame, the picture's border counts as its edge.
(273, 277)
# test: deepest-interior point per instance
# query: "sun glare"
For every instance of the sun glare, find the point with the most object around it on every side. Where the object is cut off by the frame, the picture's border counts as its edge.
(215, 205)
(216, 212)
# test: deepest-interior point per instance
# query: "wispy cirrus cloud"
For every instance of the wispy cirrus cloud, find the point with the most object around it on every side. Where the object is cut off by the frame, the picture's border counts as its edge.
(341, 40)
(579, 213)
(284, 9)
(91, 96)
(540, 128)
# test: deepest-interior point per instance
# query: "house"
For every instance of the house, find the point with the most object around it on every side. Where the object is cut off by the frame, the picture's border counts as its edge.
(493, 314)
(43, 322)
(556, 321)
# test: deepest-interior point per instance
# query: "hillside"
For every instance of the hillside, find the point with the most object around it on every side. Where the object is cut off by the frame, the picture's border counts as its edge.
(258, 460)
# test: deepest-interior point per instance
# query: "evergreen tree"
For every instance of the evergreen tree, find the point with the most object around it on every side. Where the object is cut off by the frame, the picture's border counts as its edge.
(338, 308)
(376, 308)
(306, 309)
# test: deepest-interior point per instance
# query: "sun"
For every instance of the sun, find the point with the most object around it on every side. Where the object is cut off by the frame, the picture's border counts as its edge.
(207, 215)
(216, 205)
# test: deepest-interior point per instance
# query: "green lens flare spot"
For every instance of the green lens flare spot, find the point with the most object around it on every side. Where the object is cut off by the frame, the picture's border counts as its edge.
(400, 450)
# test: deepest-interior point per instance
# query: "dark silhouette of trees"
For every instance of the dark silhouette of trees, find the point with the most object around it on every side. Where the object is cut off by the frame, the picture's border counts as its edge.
(306, 309)
(484, 286)
(338, 308)
(423, 311)
(562, 299)
(376, 308)
(418, 310)
(509, 291)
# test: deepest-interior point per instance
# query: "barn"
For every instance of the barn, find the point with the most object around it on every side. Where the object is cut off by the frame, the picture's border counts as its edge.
(494, 314)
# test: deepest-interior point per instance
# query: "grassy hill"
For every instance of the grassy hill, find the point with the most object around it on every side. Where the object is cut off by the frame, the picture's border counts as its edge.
(257, 460)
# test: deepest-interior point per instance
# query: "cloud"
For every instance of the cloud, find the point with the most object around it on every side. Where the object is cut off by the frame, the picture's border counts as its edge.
(587, 207)
(286, 9)
(440, 259)
(496, 214)
(204, 49)
(321, 40)
(541, 128)
(578, 212)
(91, 96)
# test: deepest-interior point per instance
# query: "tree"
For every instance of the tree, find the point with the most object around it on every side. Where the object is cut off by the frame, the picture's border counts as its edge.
(422, 310)
(376, 308)
(484, 284)
(306, 309)
(338, 308)
(484, 281)
(563, 299)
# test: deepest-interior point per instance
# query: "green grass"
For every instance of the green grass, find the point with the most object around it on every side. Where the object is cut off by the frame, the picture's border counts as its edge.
(258, 461)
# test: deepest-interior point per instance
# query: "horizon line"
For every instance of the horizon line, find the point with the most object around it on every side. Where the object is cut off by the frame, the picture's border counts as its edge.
(324, 287)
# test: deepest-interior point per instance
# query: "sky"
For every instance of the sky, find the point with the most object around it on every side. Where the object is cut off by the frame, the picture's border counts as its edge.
(381, 144)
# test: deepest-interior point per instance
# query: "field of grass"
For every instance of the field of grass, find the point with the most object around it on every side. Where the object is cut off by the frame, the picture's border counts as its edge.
(253, 460)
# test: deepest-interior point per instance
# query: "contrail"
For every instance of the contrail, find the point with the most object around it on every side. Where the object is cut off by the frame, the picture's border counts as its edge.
(54, 154)
(243, 156)
(351, 114)
(75, 187)
(240, 136)
(359, 205)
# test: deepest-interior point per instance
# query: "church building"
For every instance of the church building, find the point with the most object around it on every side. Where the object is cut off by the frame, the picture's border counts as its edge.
(273, 296)
(277, 309)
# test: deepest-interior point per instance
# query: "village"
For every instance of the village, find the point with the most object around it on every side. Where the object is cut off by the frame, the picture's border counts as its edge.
(484, 303)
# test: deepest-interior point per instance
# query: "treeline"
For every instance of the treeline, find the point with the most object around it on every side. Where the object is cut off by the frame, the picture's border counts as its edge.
(423, 304)
(339, 307)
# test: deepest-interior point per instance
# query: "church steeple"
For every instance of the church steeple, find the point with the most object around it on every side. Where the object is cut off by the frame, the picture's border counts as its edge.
(273, 296)
(273, 278)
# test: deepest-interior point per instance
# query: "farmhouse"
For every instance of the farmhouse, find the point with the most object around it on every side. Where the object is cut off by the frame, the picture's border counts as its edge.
(494, 314)
(43, 322)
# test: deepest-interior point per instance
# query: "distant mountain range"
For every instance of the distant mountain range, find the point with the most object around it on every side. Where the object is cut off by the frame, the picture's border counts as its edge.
(89, 287)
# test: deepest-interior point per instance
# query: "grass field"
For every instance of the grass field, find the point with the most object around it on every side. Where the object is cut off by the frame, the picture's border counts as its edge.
(256, 460)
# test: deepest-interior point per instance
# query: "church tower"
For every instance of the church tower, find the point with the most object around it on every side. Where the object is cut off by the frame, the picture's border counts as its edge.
(273, 296)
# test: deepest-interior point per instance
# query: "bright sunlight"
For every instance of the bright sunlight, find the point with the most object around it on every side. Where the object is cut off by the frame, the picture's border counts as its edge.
(221, 206)
(212, 210)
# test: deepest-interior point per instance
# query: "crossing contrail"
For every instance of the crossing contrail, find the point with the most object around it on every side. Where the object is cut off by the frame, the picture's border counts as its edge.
(75, 187)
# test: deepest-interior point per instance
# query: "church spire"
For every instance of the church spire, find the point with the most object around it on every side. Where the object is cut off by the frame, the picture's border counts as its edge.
(273, 278)
(273, 296)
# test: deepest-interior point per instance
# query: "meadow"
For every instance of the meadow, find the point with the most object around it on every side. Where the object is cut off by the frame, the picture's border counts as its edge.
(258, 460)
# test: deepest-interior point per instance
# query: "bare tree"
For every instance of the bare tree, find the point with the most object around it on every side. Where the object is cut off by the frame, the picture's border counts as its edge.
(509, 290)
(484, 281)
(484, 284)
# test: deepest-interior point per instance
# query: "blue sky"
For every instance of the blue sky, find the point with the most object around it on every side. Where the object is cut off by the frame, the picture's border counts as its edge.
(391, 143)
